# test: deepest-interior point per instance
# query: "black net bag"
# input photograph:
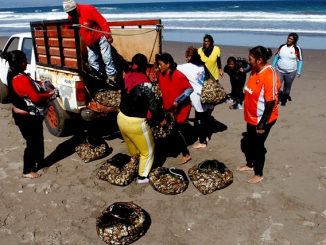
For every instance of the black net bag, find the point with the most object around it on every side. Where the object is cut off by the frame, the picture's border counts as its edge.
(161, 132)
(119, 170)
(92, 149)
(168, 181)
(210, 175)
(122, 223)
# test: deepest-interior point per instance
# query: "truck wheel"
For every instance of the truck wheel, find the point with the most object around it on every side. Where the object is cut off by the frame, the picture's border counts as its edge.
(56, 119)
(4, 98)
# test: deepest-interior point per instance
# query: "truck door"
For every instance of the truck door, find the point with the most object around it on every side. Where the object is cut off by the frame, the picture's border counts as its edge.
(11, 45)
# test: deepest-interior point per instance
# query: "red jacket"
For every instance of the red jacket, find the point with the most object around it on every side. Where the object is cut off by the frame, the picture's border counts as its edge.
(89, 16)
(171, 90)
(23, 87)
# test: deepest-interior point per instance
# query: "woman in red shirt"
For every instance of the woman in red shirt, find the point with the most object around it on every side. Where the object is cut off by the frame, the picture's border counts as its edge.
(29, 100)
(176, 90)
(260, 110)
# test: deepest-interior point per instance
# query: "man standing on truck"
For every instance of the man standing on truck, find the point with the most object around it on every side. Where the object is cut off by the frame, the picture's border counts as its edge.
(95, 32)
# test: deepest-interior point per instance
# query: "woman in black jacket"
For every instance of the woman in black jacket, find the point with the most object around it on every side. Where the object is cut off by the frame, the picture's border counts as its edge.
(137, 100)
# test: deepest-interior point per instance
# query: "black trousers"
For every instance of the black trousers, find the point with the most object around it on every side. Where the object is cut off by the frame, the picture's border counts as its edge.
(180, 139)
(253, 146)
(201, 125)
(31, 127)
(237, 89)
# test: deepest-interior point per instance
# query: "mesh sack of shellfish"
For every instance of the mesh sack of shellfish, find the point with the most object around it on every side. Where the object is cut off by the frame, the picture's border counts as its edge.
(157, 91)
(122, 223)
(210, 175)
(92, 149)
(168, 180)
(118, 170)
(161, 132)
(109, 98)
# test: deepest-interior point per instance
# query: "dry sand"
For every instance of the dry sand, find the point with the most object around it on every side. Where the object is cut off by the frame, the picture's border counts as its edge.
(288, 207)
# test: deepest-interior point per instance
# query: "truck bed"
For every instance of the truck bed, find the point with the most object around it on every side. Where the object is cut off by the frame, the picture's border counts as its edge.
(57, 43)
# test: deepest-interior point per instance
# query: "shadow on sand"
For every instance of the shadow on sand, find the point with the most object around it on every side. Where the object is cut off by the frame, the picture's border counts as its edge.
(168, 147)
(104, 128)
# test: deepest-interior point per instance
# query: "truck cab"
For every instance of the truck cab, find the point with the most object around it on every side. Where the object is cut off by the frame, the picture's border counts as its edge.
(23, 42)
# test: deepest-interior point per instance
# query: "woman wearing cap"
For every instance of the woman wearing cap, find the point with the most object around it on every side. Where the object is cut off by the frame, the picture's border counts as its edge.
(137, 98)
(260, 110)
(288, 62)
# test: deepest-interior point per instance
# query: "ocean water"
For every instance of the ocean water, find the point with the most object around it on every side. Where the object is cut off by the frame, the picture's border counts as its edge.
(242, 23)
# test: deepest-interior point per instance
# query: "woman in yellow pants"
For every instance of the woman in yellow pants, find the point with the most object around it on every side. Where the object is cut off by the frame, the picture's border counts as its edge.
(137, 99)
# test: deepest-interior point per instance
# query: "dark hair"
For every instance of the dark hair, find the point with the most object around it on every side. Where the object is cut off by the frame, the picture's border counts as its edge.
(140, 61)
(231, 59)
(295, 37)
(260, 52)
(168, 59)
(194, 56)
(14, 59)
(209, 37)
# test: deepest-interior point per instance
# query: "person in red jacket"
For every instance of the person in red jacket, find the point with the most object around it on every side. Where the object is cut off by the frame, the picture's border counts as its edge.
(29, 100)
(176, 91)
(95, 32)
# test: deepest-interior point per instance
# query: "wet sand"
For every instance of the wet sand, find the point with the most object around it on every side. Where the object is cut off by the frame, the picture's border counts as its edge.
(288, 207)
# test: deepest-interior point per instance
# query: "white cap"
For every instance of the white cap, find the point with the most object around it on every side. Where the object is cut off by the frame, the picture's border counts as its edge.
(69, 5)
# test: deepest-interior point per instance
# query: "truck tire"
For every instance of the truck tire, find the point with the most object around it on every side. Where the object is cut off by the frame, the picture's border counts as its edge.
(56, 119)
(4, 97)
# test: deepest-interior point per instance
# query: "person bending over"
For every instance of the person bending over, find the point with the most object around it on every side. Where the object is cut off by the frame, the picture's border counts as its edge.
(137, 99)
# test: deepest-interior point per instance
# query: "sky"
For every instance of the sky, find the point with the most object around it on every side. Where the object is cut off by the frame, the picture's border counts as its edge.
(34, 3)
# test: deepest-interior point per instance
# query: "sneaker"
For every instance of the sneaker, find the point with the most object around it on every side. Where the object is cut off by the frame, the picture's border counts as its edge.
(239, 107)
(142, 180)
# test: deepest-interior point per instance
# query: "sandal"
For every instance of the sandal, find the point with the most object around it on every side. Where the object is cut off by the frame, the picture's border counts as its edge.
(243, 168)
(199, 145)
(255, 179)
(31, 175)
(185, 159)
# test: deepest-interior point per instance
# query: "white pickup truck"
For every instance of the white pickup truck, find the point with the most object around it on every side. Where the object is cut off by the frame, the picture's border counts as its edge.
(55, 53)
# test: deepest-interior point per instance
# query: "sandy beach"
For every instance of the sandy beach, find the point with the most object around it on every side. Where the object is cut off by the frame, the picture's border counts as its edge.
(288, 207)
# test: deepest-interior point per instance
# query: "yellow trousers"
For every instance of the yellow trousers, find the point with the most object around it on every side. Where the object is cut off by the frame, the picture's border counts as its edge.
(139, 139)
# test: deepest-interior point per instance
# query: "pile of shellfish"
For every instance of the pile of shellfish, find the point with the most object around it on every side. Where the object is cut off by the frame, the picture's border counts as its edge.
(119, 170)
(212, 92)
(109, 98)
(210, 175)
(92, 149)
(168, 180)
(122, 223)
